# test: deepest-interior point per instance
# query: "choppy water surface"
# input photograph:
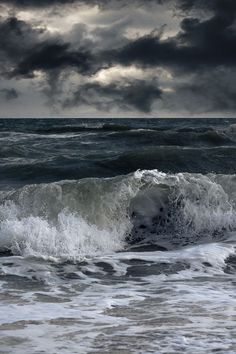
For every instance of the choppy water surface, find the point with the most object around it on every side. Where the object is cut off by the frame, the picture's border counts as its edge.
(117, 236)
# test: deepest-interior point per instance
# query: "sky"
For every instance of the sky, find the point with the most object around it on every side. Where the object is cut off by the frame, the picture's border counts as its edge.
(117, 58)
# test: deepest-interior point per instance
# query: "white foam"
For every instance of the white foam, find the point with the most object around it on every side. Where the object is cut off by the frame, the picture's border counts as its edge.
(198, 258)
(72, 237)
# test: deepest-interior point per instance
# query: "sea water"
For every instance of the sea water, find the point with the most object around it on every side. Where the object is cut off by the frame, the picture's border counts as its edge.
(117, 236)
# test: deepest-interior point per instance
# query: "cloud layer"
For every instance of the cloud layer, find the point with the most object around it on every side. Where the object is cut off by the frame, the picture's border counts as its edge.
(143, 58)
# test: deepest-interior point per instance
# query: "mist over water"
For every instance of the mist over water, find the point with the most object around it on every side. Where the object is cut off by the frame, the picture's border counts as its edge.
(117, 236)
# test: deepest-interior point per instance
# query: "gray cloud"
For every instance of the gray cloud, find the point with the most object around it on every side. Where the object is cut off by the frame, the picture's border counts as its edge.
(37, 3)
(202, 50)
(126, 94)
(17, 39)
(199, 45)
(50, 3)
(52, 56)
(206, 93)
(27, 50)
(9, 94)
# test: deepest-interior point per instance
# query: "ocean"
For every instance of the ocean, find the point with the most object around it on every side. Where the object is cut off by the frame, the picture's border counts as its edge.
(117, 236)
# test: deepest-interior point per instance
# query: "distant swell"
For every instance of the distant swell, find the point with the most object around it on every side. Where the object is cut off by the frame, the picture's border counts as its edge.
(175, 159)
(165, 134)
(180, 137)
(74, 219)
(82, 128)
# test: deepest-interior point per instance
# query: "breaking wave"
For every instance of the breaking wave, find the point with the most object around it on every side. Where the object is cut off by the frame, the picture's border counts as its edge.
(88, 217)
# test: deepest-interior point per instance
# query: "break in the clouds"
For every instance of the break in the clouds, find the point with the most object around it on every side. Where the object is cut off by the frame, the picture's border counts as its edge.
(117, 58)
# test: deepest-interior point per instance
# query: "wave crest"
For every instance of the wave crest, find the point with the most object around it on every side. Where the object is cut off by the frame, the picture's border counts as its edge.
(74, 219)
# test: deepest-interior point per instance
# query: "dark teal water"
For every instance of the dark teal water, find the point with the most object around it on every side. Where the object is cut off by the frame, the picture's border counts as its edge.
(48, 150)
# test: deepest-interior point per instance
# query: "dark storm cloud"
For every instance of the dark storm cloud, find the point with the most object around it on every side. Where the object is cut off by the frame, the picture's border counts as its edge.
(199, 44)
(127, 94)
(185, 5)
(52, 56)
(203, 46)
(9, 94)
(217, 6)
(37, 3)
(17, 38)
(50, 3)
(26, 50)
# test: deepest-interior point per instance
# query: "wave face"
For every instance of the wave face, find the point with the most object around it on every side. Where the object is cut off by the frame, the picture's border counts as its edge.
(74, 219)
